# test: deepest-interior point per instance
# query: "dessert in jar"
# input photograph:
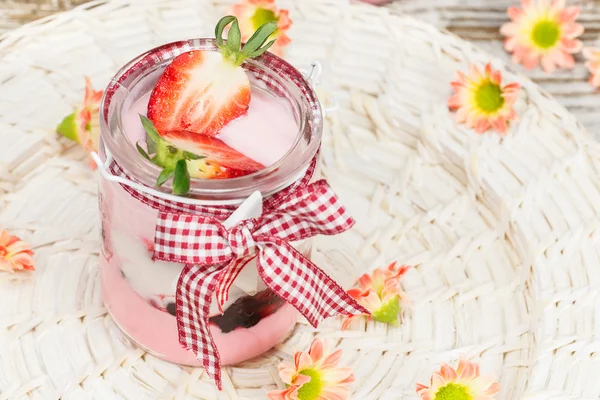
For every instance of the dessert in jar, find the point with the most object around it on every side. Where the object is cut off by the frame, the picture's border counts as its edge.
(199, 123)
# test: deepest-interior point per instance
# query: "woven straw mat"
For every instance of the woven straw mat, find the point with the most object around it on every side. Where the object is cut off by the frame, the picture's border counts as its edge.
(503, 231)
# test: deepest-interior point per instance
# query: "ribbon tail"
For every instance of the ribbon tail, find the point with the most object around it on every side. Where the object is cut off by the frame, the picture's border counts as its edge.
(301, 283)
(227, 279)
(195, 289)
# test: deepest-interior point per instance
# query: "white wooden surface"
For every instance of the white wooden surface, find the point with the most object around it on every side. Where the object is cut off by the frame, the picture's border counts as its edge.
(479, 21)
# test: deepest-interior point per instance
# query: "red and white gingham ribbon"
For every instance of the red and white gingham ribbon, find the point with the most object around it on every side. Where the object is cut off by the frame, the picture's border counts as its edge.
(214, 256)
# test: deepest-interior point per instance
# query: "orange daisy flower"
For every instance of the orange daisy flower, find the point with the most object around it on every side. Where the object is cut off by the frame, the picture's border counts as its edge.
(15, 254)
(543, 31)
(481, 102)
(462, 383)
(314, 376)
(593, 65)
(380, 293)
(252, 14)
(83, 125)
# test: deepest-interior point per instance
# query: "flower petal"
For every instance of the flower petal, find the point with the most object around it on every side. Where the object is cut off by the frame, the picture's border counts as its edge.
(427, 394)
(448, 373)
(334, 376)
(365, 282)
(287, 374)
(493, 389)
(466, 370)
(334, 393)
(332, 359)
(6, 266)
(291, 393)
(317, 349)
(304, 361)
(301, 380)
(437, 381)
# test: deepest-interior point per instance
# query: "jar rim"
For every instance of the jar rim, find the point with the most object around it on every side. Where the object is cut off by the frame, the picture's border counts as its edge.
(272, 70)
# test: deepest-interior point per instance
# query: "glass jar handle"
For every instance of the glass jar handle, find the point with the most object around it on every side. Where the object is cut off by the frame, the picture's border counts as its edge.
(313, 77)
(313, 74)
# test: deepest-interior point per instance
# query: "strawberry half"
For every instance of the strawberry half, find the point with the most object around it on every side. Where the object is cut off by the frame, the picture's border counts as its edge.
(220, 162)
(202, 91)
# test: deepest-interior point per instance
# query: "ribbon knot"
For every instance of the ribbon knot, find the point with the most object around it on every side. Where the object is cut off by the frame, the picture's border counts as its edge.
(240, 240)
(214, 255)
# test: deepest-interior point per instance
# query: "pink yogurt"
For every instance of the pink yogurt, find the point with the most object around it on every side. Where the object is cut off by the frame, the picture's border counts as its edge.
(132, 281)
(264, 140)
(156, 331)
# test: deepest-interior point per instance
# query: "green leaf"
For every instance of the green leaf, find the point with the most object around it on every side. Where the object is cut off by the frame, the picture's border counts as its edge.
(151, 145)
(164, 176)
(151, 132)
(142, 152)
(192, 156)
(181, 180)
(234, 36)
(68, 127)
(388, 312)
(262, 49)
(259, 38)
(221, 25)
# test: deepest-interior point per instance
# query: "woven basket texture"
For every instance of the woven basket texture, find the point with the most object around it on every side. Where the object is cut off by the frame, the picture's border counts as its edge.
(478, 21)
(503, 231)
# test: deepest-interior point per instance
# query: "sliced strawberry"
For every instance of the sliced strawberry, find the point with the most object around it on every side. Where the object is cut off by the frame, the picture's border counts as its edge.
(199, 91)
(196, 95)
(221, 161)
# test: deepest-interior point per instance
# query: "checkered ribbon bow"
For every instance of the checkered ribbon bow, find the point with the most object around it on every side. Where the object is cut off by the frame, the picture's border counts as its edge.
(214, 256)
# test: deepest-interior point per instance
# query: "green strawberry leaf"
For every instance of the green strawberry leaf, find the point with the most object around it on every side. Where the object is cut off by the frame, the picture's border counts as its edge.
(152, 136)
(181, 180)
(142, 152)
(164, 176)
(221, 25)
(253, 47)
(388, 312)
(259, 38)
(152, 146)
(234, 36)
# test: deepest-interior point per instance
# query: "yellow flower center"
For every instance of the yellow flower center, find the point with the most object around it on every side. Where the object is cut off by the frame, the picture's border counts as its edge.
(453, 391)
(378, 287)
(545, 34)
(311, 390)
(263, 16)
(488, 97)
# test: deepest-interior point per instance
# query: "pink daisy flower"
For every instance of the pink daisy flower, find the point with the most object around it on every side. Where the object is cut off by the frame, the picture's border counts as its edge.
(543, 31)
(15, 254)
(481, 102)
(252, 14)
(380, 293)
(462, 383)
(314, 375)
(83, 125)
(593, 65)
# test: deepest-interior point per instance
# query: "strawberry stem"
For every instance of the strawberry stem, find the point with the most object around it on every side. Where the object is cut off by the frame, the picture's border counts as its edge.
(232, 50)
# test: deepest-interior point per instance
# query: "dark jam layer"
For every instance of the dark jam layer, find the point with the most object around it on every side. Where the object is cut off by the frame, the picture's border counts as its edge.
(245, 312)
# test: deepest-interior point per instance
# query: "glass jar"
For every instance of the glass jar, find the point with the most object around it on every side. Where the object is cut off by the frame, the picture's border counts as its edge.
(139, 291)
